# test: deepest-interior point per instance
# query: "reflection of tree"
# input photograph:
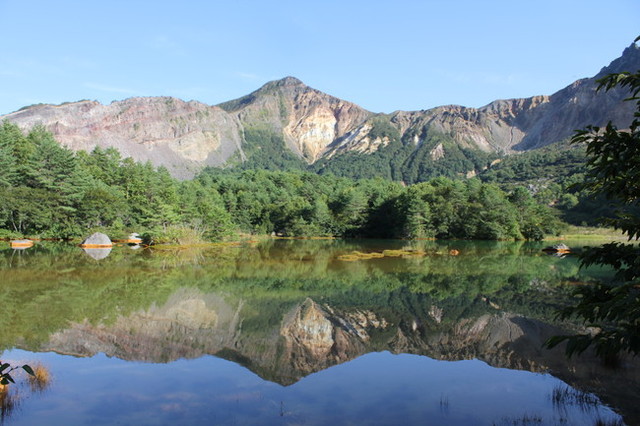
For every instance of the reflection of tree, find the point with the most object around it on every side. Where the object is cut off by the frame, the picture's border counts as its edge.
(56, 284)
(234, 302)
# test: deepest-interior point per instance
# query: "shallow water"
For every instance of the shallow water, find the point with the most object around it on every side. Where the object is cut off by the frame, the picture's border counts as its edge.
(284, 332)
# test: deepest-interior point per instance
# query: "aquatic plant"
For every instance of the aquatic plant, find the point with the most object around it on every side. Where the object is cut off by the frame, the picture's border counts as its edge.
(41, 378)
(9, 401)
(523, 420)
(565, 395)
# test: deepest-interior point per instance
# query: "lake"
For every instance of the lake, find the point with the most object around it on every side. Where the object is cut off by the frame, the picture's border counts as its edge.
(291, 332)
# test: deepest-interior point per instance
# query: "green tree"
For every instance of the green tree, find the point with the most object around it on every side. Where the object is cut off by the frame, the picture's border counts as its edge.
(16, 143)
(414, 212)
(349, 208)
(613, 169)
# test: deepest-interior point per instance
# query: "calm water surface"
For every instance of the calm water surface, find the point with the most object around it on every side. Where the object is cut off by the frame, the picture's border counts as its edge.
(288, 333)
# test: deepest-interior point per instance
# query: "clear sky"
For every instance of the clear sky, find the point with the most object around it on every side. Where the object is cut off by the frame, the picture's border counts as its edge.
(382, 55)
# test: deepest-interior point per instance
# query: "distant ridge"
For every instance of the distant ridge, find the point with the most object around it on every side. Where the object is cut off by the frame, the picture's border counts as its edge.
(287, 117)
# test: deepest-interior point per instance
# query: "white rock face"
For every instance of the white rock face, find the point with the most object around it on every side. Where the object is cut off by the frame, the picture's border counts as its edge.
(310, 329)
(437, 152)
(313, 133)
(359, 141)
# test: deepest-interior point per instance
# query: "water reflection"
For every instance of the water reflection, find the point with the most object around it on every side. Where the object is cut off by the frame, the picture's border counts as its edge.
(287, 310)
(97, 253)
(377, 388)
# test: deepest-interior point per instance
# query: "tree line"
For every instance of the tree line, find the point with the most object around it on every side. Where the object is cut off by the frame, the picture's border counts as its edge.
(49, 191)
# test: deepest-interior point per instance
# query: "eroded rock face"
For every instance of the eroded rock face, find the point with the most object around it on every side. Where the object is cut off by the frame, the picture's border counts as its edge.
(182, 136)
(309, 331)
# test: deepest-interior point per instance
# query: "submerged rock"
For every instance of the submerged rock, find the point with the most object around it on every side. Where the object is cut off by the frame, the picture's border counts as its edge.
(557, 248)
(134, 238)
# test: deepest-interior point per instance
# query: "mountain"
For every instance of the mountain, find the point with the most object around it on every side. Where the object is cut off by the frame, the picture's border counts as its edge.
(182, 136)
(287, 123)
(309, 120)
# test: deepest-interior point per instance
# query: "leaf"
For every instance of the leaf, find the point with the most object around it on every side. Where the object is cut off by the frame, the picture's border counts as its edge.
(28, 369)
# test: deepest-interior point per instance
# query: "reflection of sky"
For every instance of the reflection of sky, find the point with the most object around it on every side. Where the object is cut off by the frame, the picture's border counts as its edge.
(378, 388)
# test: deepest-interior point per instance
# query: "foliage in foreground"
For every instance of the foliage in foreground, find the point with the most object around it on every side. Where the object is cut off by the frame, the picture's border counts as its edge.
(612, 312)
(6, 369)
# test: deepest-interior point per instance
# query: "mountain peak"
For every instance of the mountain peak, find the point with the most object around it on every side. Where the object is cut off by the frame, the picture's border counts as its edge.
(289, 81)
(629, 62)
(270, 87)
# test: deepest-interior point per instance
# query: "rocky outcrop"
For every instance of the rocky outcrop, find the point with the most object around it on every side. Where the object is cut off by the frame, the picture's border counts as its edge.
(97, 240)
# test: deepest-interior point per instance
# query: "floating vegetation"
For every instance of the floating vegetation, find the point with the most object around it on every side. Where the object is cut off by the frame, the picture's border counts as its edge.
(357, 255)
(525, 420)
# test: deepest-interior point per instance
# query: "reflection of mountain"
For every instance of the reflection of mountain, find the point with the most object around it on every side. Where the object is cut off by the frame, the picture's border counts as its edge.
(289, 341)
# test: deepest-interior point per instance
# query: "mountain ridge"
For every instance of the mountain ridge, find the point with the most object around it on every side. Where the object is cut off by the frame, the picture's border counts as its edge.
(319, 128)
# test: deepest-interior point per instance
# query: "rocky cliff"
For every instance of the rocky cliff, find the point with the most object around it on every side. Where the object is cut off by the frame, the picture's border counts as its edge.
(182, 136)
(186, 136)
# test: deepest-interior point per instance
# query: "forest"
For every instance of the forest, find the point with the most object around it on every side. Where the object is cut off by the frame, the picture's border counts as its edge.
(49, 191)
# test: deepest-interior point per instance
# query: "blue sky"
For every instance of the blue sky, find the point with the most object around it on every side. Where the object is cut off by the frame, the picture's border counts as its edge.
(381, 55)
